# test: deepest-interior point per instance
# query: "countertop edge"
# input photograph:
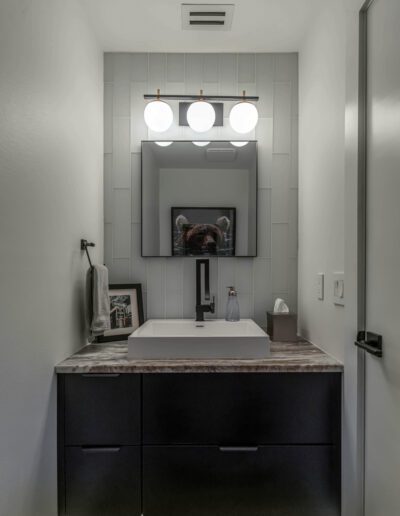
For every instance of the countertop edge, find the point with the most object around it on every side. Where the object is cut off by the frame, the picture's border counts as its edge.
(197, 369)
(290, 357)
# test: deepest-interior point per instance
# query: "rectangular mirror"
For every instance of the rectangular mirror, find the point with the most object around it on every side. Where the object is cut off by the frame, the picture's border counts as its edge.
(199, 200)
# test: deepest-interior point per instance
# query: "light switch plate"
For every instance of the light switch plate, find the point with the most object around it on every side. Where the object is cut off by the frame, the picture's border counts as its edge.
(338, 288)
(320, 286)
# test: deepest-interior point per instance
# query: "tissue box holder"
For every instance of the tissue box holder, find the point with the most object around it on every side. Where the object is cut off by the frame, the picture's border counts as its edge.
(282, 327)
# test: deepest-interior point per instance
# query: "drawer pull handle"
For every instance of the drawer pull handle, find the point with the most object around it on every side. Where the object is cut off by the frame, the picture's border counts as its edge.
(238, 449)
(101, 449)
(100, 375)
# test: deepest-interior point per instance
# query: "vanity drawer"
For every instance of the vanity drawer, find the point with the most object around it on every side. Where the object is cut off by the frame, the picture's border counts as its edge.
(102, 409)
(242, 408)
(276, 480)
(103, 481)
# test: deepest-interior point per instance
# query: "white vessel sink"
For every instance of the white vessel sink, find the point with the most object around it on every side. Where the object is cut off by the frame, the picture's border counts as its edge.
(165, 339)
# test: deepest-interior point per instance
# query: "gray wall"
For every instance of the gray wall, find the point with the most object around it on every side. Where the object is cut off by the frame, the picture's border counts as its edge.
(169, 283)
(50, 196)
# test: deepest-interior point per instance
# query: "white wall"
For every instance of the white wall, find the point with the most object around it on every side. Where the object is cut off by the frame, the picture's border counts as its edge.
(51, 186)
(328, 68)
(321, 176)
(169, 283)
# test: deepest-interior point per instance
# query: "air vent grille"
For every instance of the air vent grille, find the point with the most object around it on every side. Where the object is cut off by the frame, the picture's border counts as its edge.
(207, 16)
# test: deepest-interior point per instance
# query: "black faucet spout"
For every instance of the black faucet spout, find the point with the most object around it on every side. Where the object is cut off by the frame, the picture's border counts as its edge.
(202, 308)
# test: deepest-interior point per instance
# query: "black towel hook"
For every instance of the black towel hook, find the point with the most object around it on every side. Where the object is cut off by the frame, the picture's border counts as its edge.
(84, 247)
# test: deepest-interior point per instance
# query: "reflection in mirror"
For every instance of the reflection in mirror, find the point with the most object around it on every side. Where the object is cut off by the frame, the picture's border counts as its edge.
(199, 200)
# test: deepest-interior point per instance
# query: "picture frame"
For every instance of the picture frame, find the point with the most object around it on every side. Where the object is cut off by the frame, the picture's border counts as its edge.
(126, 311)
(193, 226)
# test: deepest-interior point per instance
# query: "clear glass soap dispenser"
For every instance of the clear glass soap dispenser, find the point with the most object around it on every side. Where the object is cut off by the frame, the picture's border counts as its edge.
(232, 306)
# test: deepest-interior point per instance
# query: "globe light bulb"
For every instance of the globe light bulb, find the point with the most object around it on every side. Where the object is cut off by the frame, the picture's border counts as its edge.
(201, 116)
(200, 143)
(158, 116)
(164, 144)
(239, 144)
(243, 117)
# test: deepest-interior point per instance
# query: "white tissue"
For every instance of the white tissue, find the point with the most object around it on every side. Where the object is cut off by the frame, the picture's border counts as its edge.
(280, 306)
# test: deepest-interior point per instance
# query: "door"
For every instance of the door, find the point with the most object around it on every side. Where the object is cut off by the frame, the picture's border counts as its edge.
(382, 267)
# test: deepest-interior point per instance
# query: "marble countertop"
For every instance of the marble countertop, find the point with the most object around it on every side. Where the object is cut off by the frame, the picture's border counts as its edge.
(291, 357)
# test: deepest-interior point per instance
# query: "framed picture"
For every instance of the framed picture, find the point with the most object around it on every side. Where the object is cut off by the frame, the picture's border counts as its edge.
(126, 311)
(203, 231)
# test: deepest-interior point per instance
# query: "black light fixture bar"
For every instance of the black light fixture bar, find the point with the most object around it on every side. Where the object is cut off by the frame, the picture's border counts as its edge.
(201, 97)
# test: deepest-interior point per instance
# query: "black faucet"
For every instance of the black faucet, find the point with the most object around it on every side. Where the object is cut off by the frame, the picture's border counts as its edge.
(200, 308)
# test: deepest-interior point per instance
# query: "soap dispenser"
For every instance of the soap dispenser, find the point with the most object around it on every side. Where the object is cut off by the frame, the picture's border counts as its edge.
(232, 306)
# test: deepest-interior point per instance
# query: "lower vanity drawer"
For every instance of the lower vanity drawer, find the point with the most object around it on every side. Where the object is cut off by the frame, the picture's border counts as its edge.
(102, 481)
(246, 481)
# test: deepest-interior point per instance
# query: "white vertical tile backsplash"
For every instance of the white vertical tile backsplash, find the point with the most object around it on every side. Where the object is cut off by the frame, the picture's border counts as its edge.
(279, 257)
(119, 270)
(138, 272)
(169, 283)
(108, 189)
(139, 67)
(136, 187)
(282, 117)
(211, 68)
(265, 64)
(121, 98)
(262, 289)
(175, 68)
(121, 162)
(194, 73)
(227, 73)
(157, 72)
(122, 67)
(122, 223)
(246, 68)
(156, 282)
(108, 117)
(280, 187)
(264, 136)
(264, 229)
(138, 126)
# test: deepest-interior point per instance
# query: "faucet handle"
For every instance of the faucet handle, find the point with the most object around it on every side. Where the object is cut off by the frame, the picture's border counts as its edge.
(212, 305)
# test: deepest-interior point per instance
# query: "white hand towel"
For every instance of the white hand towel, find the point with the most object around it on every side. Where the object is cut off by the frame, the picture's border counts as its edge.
(98, 301)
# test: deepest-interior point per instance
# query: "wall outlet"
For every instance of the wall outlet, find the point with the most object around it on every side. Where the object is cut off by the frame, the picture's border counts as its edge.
(320, 286)
(338, 288)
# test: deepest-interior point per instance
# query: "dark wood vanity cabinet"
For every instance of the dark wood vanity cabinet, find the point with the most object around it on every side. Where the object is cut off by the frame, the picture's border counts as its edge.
(217, 444)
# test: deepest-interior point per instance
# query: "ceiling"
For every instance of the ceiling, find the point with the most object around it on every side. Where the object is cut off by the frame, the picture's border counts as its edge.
(155, 25)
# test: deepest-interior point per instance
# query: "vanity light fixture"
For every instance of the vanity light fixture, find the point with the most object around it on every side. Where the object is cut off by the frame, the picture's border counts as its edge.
(201, 143)
(158, 115)
(164, 144)
(239, 144)
(243, 116)
(201, 115)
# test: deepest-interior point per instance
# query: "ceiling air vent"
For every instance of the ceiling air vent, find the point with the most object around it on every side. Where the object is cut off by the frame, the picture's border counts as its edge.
(207, 16)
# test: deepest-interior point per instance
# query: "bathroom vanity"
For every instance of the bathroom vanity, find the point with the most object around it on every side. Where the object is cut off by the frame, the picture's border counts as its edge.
(199, 437)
